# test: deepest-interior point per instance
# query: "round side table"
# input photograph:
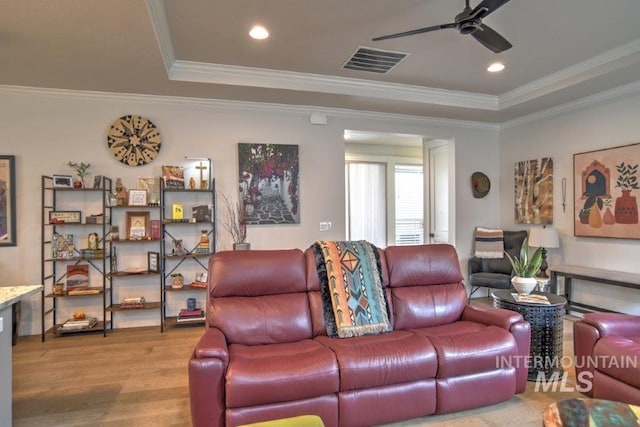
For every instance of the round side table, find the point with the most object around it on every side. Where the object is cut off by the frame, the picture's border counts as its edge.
(546, 329)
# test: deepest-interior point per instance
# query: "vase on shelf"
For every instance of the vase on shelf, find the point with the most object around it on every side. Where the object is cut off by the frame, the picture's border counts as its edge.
(626, 209)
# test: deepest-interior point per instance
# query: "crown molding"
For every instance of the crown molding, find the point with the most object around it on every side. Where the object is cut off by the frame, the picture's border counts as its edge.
(593, 67)
(226, 105)
(605, 96)
(160, 24)
(276, 79)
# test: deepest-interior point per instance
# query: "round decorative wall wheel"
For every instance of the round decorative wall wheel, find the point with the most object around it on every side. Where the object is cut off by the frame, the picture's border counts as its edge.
(134, 140)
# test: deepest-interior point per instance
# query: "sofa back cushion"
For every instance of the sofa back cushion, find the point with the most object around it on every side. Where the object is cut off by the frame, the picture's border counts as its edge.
(426, 285)
(259, 296)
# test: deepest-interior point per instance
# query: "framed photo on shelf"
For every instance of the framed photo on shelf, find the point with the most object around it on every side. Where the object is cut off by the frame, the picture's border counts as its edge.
(62, 181)
(137, 225)
(7, 201)
(137, 197)
(65, 217)
(153, 262)
(97, 181)
(152, 186)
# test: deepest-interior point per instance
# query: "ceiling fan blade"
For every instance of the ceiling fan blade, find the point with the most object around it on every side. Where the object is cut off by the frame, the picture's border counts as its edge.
(413, 32)
(486, 7)
(491, 39)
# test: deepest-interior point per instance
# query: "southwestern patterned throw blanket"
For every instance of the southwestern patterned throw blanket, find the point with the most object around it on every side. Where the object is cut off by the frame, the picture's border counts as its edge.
(351, 285)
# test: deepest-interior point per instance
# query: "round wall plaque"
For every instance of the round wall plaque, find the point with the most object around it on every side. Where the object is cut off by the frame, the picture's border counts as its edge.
(480, 185)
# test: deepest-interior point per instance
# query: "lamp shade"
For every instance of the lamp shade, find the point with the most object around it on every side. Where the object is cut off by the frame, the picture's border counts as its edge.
(545, 237)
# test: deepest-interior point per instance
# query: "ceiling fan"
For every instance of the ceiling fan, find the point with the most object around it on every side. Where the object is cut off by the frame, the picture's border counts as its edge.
(469, 21)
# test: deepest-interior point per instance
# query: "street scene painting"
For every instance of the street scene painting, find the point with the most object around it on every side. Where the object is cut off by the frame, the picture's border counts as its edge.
(605, 192)
(268, 183)
(534, 191)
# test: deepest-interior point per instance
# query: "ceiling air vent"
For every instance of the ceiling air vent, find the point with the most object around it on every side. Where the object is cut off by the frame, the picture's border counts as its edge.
(374, 60)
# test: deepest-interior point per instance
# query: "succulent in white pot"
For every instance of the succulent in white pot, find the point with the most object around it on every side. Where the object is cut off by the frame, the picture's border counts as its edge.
(525, 268)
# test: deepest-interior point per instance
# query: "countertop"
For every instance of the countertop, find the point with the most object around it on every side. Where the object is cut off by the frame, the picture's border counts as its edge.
(12, 294)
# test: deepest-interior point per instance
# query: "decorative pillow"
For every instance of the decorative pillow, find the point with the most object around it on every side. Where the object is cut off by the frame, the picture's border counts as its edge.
(489, 243)
(351, 286)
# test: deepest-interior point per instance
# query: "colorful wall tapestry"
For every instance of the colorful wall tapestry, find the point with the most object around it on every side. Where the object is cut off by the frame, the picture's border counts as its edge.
(268, 183)
(605, 190)
(534, 191)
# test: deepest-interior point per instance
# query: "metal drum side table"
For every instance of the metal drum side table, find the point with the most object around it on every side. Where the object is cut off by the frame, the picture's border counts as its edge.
(546, 330)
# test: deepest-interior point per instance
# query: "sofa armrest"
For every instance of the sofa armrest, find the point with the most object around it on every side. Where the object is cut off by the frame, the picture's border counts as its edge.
(491, 316)
(207, 368)
(212, 344)
(609, 324)
(474, 265)
(516, 325)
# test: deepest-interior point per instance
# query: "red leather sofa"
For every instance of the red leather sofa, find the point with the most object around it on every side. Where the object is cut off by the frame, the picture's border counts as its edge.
(607, 356)
(265, 353)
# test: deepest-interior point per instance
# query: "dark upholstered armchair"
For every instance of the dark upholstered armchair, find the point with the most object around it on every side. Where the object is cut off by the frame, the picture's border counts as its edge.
(495, 273)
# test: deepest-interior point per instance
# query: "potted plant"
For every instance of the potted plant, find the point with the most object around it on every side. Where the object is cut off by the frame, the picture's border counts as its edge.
(525, 268)
(236, 223)
(81, 170)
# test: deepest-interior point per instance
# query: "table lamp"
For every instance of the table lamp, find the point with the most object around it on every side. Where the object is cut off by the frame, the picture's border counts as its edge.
(545, 237)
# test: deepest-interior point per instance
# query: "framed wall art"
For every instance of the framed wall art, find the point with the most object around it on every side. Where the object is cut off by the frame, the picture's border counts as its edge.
(605, 190)
(8, 201)
(268, 182)
(62, 181)
(137, 197)
(534, 191)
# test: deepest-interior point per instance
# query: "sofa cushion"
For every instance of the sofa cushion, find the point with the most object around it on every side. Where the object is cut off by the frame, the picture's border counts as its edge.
(259, 297)
(426, 285)
(379, 360)
(473, 351)
(264, 374)
(617, 357)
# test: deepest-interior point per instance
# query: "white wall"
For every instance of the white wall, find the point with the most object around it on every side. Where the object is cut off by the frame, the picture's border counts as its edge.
(602, 125)
(46, 128)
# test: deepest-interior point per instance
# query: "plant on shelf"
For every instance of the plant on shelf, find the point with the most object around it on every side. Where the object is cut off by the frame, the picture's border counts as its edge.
(81, 170)
(236, 221)
(525, 268)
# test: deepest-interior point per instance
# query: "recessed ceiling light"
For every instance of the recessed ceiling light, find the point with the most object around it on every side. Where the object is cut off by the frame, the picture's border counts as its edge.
(259, 32)
(495, 67)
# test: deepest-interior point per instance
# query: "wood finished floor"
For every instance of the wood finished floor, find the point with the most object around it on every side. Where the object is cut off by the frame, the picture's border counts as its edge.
(138, 377)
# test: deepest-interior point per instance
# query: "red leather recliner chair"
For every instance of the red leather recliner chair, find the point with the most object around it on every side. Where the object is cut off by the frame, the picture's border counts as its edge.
(607, 351)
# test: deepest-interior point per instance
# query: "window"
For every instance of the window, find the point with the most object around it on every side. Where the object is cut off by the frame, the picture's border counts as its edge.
(409, 217)
(366, 202)
(379, 216)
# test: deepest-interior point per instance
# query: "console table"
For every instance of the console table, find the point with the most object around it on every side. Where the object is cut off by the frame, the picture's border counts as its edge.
(609, 277)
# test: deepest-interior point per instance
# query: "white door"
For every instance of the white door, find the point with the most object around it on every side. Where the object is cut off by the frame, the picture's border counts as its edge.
(437, 154)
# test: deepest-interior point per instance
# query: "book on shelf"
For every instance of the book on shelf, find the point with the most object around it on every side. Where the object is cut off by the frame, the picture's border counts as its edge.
(77, 277)
(201, 213)
(189, 319)
(75, 324)
(199, 285)
(156, 231)
(198, 312)
(84, 291)
(173, 177)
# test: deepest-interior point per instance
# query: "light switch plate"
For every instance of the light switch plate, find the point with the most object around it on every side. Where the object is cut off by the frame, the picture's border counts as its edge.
(1, 324)
(325, 226)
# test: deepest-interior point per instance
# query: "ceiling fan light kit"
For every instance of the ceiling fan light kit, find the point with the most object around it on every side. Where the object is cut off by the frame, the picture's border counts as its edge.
(469, 21)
